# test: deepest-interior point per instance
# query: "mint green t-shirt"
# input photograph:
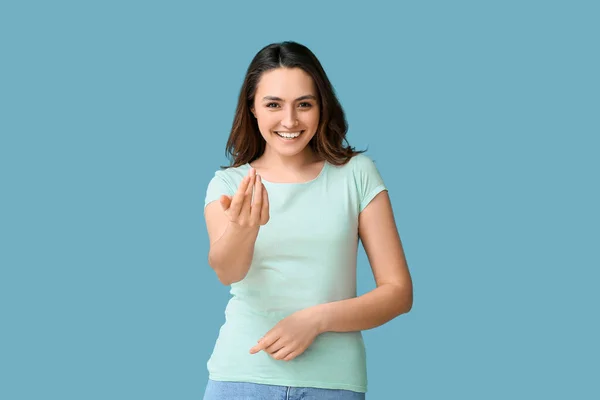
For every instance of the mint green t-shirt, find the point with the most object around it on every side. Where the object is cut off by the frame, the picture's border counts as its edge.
(305, 255)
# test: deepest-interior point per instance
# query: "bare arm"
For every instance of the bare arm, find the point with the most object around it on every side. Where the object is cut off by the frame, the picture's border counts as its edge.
(394, 292)
(230, 255)
(233, 224)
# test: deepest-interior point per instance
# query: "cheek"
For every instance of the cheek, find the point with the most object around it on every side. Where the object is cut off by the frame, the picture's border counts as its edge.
(266, 122)
(312, 118)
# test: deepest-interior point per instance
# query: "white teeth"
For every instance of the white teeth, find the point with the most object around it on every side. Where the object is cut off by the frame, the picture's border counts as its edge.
(288, 135)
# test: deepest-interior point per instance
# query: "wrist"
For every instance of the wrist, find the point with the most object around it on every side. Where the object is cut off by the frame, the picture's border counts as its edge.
(320, 314)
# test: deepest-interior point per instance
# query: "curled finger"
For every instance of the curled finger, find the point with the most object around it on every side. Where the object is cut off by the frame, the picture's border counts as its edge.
(282, 353)
(264, 212)
(275, 347)
(238, 198)
(291, 356)
(256, 208)
(245, 209)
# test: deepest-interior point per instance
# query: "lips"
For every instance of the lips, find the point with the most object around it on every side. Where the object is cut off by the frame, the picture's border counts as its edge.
(288, 135)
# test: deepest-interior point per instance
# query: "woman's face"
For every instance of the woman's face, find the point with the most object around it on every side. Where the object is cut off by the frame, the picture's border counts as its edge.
(287, 110)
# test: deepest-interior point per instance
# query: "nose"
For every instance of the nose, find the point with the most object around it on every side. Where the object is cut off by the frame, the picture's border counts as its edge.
(290, 119)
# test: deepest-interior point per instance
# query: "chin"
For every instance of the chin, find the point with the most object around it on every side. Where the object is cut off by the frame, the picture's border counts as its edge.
(289, 152)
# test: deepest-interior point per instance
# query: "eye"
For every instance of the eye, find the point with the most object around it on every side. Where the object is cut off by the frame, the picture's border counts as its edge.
(269, 105)
(305, 105)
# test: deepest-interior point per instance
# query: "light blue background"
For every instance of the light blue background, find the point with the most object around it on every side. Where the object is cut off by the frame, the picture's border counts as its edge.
(483, 118)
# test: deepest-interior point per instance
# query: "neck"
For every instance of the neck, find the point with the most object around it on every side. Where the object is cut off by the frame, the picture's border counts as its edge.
(296, 162)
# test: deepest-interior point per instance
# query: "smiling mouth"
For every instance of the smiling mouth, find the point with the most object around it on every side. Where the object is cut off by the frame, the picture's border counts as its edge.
(289, 135)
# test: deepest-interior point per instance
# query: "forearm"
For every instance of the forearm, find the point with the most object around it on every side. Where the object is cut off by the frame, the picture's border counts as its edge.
(370, 310)
(231, 255)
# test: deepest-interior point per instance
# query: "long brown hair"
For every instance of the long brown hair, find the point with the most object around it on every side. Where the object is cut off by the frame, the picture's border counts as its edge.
(245, 143)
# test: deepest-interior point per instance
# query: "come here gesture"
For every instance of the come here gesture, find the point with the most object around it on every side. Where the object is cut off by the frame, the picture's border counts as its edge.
(244, 210)
(233, 227)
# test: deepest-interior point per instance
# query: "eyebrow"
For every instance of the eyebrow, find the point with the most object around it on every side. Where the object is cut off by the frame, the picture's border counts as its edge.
(305, 97)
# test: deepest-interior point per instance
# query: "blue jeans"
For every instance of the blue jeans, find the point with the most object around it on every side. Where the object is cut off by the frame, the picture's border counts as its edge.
(217, 390)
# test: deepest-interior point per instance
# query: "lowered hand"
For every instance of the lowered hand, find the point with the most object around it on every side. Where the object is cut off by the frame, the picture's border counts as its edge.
(291, 336)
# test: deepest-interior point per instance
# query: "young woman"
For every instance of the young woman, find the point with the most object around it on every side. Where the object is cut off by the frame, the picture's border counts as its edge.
(284, 220)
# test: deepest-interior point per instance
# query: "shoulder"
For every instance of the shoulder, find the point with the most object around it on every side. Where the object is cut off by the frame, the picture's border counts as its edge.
(361, 161)
(232, 174)
(361, 179)
(232, 171)
(226, 181)
(358, 164)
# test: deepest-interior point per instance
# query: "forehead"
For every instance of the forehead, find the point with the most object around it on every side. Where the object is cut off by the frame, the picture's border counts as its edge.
(285, 83)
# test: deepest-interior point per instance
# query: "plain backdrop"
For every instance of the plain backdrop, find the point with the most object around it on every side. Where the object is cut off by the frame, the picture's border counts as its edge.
(482, 117)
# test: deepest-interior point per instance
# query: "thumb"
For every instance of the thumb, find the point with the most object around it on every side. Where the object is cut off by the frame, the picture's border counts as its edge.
(225, 202)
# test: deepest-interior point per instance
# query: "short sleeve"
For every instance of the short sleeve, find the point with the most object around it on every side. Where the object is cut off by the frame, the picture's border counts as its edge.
(368, 180)
(218, 185)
